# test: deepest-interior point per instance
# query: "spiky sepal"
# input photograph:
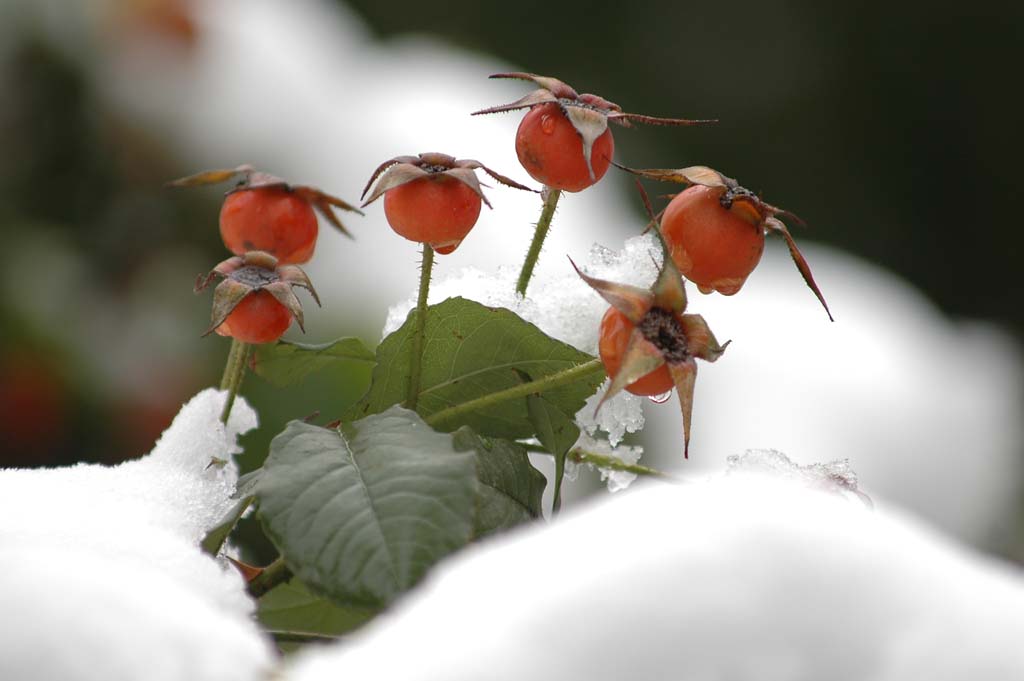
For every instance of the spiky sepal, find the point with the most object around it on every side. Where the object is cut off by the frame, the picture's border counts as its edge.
(255, 271)
(250, 178)
(588, 113)
(401, 170)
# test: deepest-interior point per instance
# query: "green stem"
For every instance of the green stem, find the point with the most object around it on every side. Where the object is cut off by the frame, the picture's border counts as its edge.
(272, 575)
(234, 372)
(543, 225)
(225, 379)
(416, 360)
(603, 461)
(521, 390)
(284, 636)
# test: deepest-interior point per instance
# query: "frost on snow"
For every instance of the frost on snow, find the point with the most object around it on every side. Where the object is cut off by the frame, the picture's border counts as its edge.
(837, 477)
(103, 575)
(743, 578)
(565, 308)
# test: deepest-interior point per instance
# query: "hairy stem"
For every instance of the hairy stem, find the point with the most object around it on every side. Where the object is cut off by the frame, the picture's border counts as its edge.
(234, 372)
(522, 390)
(416, 361)
(543, 226)
(272, 575)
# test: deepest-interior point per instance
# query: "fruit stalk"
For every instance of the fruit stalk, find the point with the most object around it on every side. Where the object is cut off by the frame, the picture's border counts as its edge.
(416, 361)
(543, 226)
(517, 391)
(234, 372)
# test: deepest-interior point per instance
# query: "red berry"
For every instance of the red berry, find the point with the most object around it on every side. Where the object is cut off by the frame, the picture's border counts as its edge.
(437, 209)
(258, 318)
(712, 246)
(270, 219)
(614, 337)
(551, 150)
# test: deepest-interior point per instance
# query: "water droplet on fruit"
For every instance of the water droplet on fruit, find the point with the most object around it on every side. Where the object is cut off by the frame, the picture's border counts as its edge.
(662, 398)
(547, 124)
(446, 248)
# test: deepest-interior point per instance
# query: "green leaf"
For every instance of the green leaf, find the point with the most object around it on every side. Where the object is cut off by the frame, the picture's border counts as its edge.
(293, 607)
(285, 363)
(470, 351)
(360, 513)
(557, 432)
(510, 487)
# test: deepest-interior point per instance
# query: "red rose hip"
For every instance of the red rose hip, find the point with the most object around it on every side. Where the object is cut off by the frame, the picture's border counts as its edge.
(270, 219)
(712, 246)
(551, 150)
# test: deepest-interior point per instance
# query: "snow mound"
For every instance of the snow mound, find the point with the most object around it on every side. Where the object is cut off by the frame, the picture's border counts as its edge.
(740, 578)
(104, 570)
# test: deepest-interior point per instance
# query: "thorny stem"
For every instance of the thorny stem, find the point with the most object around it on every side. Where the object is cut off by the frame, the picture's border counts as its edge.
(416, 360)
(234, 372)
(272, 575)
(543, 225)
(517, 391)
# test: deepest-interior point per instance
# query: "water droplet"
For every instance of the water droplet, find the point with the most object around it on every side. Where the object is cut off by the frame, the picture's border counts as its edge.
(547, 124)
(662, 398)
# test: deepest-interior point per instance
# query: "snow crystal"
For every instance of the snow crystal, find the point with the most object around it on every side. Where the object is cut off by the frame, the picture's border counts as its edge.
(834, 476)
(126, 538)
(743, 577)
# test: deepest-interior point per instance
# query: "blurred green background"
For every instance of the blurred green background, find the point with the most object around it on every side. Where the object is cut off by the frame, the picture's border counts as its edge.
(891, 129)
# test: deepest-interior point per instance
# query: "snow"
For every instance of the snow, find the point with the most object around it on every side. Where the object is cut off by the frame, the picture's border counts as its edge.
(103, 568)
(743, 577)
(616, 480)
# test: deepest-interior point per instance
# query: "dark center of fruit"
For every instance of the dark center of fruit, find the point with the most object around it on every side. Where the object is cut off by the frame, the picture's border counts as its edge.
(661, 328)
(434, 168)
(579, 104)
(734, 193)
(255, 277)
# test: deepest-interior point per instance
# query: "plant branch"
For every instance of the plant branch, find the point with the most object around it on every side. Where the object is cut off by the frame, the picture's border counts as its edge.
(234, 372)
(580, 455)
(517, 391)
(543, 226)
(272, 575)
(416, 360)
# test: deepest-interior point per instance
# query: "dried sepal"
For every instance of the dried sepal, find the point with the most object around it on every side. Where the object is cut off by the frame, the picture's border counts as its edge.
(640, 358)
(401, 170)
(632, 301)
(296, 276)
(626, 119)
(702, 175)
(669, 290)
(556, 87)
(395, 176)
(684, 377)
(776, 225)
(245, 275)
(250, 178)
(226, 297)
(216, 176)
(284, 294)
(700, 341)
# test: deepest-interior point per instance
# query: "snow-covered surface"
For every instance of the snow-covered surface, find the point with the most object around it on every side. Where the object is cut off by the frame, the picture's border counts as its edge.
(103, 577)
(741, 578)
